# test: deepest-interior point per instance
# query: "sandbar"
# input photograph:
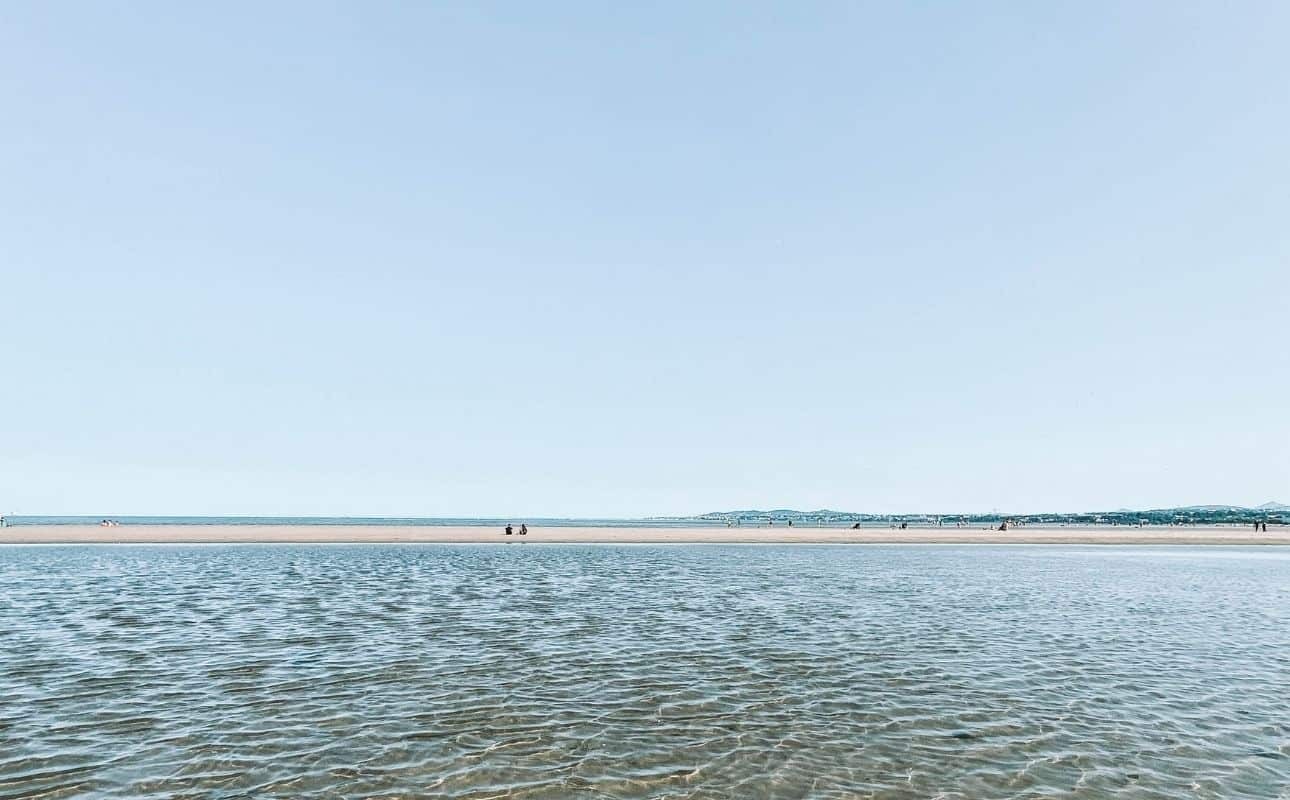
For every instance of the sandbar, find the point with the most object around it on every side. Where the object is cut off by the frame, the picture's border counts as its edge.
(211, 534)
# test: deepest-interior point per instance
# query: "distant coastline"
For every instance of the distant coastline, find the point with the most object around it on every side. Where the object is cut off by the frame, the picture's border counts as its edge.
(1274, 514)
(1271, 513)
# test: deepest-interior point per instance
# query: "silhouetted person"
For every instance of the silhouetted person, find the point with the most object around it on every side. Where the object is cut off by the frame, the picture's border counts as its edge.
(524, 529)
(509, 531)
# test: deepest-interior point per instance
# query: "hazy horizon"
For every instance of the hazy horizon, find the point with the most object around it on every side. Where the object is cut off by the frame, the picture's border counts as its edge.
(751, 509)
(603, 261)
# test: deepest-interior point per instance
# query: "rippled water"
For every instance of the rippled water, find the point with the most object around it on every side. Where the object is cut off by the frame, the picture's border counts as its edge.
(534, 671)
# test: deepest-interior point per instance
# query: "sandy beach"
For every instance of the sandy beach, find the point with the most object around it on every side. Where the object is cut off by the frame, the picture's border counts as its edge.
(127, 534)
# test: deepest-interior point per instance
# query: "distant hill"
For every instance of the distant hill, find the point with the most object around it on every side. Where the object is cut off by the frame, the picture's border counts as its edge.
(1199, 514)
(1203, 508)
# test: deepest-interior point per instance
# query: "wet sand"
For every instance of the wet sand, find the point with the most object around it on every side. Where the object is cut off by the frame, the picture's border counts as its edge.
(126, 534)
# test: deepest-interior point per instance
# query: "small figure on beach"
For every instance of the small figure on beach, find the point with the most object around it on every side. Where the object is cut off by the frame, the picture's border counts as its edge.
(509, 530)
(524, 529)
(1265, 527)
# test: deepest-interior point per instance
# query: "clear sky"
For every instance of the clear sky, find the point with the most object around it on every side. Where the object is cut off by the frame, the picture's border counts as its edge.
(627, 259)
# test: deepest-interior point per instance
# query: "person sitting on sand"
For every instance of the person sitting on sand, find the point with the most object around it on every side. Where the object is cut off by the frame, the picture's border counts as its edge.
(524, 529)
(509, 531)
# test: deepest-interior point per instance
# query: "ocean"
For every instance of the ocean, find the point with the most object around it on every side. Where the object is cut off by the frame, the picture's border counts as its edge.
(644, 671)
(548, 522)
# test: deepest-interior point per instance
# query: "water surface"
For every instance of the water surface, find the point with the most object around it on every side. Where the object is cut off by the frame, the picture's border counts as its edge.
(545, 671)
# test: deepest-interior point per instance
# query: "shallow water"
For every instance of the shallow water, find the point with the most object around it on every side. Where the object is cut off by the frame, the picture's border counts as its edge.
(551, 671)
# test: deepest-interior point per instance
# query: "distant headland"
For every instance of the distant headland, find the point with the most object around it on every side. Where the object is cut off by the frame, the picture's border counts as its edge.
(1272, 513)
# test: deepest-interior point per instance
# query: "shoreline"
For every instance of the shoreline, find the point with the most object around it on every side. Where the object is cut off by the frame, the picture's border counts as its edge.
(464, 534)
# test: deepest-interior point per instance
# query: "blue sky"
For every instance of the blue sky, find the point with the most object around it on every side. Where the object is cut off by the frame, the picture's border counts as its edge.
(590, 259)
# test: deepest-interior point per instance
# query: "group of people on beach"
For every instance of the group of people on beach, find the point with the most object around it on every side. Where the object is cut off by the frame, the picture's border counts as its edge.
(1257, 524)
(510, 531)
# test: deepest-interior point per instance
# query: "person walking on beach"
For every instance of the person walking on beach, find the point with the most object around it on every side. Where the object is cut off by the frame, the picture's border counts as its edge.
(509, 531)
(524, 529)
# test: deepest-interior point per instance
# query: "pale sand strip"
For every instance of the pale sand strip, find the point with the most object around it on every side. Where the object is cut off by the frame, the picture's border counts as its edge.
(87, 534)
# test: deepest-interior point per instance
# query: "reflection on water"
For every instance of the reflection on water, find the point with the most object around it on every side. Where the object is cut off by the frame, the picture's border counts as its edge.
(533, 671)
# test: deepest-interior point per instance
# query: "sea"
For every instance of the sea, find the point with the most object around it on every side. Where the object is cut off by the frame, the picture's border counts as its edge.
(751, 519)
(548, 522)
(644, 671)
